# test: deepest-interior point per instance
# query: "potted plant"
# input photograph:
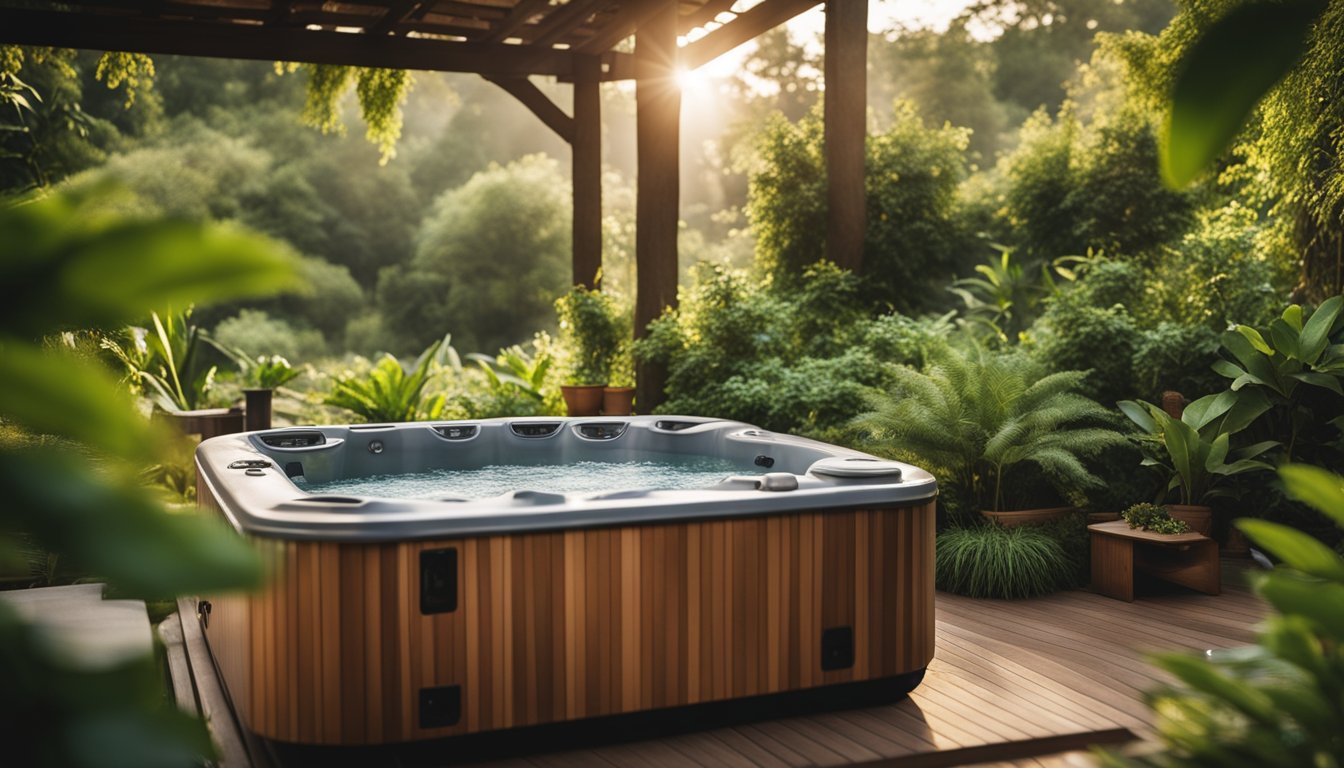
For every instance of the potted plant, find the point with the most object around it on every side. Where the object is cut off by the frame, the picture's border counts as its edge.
(265, 376)
(590, 328)
(977, 420)
(1193, 451)
(618, 398)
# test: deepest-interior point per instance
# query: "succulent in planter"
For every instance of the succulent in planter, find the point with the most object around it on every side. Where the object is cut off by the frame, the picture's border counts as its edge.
(976, 419)
(1154, 518)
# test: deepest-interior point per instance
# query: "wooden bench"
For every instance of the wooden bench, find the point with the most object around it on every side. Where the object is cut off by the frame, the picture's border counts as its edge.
(1120, 552)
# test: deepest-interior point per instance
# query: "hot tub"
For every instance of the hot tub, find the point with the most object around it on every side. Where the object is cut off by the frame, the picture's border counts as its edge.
(792, 566)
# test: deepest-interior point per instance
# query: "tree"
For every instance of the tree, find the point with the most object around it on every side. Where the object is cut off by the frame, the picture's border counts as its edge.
(490, 258)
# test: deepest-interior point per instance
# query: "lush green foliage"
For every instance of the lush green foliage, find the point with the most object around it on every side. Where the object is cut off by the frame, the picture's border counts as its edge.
(253, 332)
(75, 268)
(1279, 702)
(796, 361)
(390, 393)
(1004, 563)
(975, 419)
(489, 261)
(165, 363)
(1006, 298)
(1192, 452)
(1294, 350)
(914, 238)
(1153, 517)
(595, 328)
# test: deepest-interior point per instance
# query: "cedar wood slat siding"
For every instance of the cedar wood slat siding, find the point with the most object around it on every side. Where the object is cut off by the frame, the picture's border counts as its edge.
(555, 626)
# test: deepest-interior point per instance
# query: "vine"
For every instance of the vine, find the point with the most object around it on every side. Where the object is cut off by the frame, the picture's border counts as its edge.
(380, 93)
(134, 70)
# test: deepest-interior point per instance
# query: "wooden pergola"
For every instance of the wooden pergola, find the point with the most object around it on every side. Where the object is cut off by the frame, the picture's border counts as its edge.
(507, 41)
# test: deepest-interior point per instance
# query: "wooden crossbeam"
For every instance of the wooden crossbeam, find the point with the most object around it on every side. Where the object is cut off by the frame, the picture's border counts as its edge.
(255, 41)
(632, 15)
(564, 20)
(396, 13)
(521, 12)
(280, 11)
(703, 15)
(540, 104)
(747, 26)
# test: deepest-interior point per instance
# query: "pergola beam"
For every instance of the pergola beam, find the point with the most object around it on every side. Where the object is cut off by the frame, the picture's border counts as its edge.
(399, 11)
(540, 104)
(267, 43)
(564, 20)
(586, 173)
(744, 28)
(632, 15)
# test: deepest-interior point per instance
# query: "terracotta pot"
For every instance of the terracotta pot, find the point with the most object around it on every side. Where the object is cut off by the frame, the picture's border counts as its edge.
(582, 400)
(618, 401)
(257, 414)
(1102, 517)
(1199, 518)
(1016, 517)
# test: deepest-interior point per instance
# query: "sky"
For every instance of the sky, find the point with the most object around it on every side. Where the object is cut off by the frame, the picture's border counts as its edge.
(882, 15)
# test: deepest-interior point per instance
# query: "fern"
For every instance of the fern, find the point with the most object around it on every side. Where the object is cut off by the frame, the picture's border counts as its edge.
(972, 418)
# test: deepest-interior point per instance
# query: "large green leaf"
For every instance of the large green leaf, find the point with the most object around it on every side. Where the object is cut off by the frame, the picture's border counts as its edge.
(1321, 489)
(1256, 364)
(1225, 74)
(120, 534)
(1316, 331)
(1321, 602)
(52, 393)
(62, 266)
(1296, 549)
(1138, 414)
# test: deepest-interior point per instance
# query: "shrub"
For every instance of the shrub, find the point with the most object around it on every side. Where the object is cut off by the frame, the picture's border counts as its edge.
(915, 234)
(1004, 563)
(1077, 334)
(593, 327)
(1176, 357)
(256, 333)
(389, 392)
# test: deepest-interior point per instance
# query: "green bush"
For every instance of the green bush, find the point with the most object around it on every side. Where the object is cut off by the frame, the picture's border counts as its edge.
(594, 330)
(255, 333)
(1005, 563)
(786, 362)
(915, 235)
(1178, 357)
(1076, 333)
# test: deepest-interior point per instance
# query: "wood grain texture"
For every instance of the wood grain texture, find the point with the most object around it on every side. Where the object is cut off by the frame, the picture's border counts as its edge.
(557, 626)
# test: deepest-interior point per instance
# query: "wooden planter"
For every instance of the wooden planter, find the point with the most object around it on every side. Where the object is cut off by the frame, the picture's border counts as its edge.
(1014, 518)
(1198, 517)
(343, 648)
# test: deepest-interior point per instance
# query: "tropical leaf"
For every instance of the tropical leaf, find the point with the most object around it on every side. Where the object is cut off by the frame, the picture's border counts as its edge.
(1219, 83)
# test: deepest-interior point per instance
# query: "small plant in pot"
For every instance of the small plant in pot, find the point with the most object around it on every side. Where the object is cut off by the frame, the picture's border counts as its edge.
(618, 398)
(977, 420)
(1154, 518)
(591, 329)
(1194, 452)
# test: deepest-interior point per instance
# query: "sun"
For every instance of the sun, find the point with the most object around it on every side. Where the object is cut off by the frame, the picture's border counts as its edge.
(692, 81)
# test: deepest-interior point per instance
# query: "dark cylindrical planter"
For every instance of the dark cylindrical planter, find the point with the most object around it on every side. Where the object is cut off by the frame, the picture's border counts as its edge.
(258, 408)
(1173, 403)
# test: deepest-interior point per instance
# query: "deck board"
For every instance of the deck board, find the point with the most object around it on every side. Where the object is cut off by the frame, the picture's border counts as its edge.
(1025, 684)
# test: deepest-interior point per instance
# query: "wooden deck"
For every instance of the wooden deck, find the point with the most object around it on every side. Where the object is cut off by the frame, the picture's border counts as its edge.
(1026, 683)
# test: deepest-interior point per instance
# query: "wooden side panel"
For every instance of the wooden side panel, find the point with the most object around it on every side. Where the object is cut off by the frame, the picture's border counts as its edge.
(555, 626)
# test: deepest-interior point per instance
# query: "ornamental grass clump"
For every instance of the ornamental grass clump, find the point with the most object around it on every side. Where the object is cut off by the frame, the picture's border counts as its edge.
(1154, 518)
(997, 562)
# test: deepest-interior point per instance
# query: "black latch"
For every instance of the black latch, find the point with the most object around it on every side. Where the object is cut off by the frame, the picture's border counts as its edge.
(837, 648)
(440, 707)
(438, 581)
(765, 461)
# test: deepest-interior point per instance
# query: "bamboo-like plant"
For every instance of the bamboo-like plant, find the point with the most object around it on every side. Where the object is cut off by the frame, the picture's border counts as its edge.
(391, 393)
(974, 419)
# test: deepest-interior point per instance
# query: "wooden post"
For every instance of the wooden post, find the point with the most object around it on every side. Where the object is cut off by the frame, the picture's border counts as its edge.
(657, 130)
(586, 148)
(846, 115)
